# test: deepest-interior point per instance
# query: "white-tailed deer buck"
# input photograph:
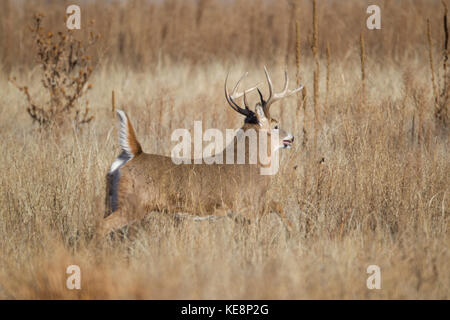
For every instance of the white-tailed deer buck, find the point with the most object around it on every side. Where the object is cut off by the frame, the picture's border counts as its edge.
(139, 183)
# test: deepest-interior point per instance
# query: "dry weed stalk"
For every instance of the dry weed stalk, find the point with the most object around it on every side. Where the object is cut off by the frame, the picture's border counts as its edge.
(113, 102)
(315, 51)
(445, 52)
(441, 87)
(362, 54)
(317, 115)
(297, 57)
(301, 101)
(419, 101)
(292, 4)
(328, 77)
(430, 57)
(66, 69)
(442, 112)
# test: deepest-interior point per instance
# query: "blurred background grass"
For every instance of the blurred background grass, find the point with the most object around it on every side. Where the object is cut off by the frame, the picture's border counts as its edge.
(139, 33)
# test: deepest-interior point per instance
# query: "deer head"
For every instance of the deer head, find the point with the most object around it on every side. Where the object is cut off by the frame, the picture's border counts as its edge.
(259, 118)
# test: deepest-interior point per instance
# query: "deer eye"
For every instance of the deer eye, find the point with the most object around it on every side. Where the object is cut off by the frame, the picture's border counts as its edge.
(276, 127)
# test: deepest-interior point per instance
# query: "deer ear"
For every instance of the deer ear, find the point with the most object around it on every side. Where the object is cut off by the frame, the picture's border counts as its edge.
(260, 112)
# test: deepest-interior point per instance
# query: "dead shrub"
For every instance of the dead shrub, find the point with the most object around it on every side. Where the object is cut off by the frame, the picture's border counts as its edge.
(66, 68)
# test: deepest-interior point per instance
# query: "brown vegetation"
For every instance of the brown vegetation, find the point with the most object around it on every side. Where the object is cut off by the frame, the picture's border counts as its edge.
(66, 68)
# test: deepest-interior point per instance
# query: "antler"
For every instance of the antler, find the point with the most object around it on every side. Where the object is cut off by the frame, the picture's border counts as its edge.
(235, 95)
(273, 97)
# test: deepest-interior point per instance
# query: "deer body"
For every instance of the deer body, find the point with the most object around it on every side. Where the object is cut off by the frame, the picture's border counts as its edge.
(139, 183)
(199, 188)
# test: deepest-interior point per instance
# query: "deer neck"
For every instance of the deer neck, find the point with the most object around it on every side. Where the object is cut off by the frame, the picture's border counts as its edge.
(246, 146)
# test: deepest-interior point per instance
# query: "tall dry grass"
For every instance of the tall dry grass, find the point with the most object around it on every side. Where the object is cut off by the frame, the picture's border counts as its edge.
(372, 190)
(141, 32)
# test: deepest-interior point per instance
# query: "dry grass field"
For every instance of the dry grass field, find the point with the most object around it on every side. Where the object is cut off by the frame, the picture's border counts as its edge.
(366, 183)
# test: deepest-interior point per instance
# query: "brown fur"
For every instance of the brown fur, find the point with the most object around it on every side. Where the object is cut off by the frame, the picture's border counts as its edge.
(150, 182)
(134, 144)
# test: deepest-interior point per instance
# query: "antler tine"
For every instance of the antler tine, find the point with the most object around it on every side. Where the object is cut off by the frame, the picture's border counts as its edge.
(286, 92)
(286, 82)
(278, 96)
(234, 95)
(269, 82)
(245, 101)
(240, 94)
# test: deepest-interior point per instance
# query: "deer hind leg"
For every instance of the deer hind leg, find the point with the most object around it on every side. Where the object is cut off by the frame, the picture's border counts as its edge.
(278, 209)
(115, 221)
